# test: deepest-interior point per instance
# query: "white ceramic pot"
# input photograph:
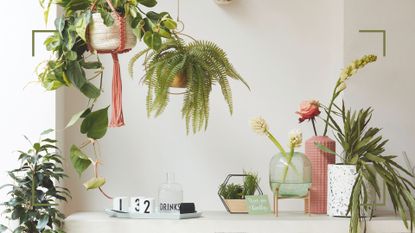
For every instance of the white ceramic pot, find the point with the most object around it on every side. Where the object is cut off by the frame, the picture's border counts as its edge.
(341, 179)
(102, 37)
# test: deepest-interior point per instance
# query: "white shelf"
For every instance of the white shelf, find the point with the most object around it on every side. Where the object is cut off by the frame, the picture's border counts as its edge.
(222, 222)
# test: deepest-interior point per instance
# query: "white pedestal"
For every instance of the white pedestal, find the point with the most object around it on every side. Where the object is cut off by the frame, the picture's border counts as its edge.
(222, 222)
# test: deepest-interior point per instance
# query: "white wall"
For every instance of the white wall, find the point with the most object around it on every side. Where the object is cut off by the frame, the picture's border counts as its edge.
(26, 108)
(388, 84)
(287, 50)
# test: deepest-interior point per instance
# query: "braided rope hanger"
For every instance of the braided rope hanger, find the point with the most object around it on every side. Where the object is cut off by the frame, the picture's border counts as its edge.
(117, 116)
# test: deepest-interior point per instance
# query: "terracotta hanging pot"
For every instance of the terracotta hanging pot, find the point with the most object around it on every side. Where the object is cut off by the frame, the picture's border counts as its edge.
(180, 81)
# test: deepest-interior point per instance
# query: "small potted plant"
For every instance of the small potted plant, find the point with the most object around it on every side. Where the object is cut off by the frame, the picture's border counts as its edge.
(233, 195)
(35, 192)
(194, 66)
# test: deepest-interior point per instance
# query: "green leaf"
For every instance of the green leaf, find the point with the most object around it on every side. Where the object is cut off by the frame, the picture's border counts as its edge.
(46, 12)
(60, 24)
(94, 183)
(106, 17)
(153, 40)
(91, 65)
(170, 24)
(90, 90)
(95, 125)
(82, 23)
(43, 221)
(75, 118)
(374, 158)
(71, 55)
(80, 161)
(76, 74)
(163, 33)
(48, 131)
(137, 21)
(148, 3)
(74, 5)
(69, 38)
(138, 32)
(323, 148)
(17, 212)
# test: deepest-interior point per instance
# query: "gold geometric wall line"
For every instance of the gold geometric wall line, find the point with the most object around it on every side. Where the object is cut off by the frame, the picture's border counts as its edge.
(378, 31)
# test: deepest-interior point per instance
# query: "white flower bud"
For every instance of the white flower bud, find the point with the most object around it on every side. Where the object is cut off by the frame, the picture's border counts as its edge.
(259, 125)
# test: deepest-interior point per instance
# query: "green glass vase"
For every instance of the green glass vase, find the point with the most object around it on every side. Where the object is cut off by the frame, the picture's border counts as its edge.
(291, 176)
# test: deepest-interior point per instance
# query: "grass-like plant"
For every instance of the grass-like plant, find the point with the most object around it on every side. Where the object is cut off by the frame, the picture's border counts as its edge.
(201, 63)
(35, 191)
(364, 148)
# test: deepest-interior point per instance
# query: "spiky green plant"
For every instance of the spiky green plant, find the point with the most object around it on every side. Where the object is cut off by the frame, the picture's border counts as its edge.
(364, 148)
(202, 63)
(239, 191)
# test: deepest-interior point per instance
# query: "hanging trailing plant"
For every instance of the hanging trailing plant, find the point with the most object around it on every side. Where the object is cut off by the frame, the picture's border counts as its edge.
(76, 62)
(194, 66)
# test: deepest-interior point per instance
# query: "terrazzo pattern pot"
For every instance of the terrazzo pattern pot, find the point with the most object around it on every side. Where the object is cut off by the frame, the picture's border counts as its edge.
(341, 179)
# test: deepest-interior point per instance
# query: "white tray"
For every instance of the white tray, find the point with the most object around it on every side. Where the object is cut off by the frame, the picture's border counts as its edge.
(116, 214)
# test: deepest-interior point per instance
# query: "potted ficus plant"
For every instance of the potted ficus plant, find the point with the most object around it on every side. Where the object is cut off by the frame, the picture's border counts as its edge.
(310, 110)
(35, 192)
(194, 66)
(233, 195)
(76, 46)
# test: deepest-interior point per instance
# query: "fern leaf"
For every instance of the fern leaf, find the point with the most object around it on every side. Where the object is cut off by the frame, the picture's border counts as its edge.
(134, 59)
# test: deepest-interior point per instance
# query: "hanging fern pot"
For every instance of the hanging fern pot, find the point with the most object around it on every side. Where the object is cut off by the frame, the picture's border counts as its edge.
(115, 39)
(179, 81)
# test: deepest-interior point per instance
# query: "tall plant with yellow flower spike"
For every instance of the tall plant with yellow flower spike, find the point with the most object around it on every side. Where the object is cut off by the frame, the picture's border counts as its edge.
(340, 86)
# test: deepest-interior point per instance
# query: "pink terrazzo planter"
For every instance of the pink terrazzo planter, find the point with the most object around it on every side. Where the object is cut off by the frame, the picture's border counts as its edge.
(319, 164)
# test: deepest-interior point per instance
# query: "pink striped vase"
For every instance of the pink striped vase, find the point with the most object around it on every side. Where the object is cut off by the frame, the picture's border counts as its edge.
(319, 164)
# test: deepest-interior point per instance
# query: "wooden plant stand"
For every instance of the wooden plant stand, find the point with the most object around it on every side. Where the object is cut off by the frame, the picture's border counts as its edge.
(306, 198)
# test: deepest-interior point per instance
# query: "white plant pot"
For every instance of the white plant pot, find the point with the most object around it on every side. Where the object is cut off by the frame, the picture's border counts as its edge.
(102, 37)
(341, 179)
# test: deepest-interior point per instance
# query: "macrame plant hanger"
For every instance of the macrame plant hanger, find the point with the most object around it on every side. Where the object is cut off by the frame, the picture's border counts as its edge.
(117, 117)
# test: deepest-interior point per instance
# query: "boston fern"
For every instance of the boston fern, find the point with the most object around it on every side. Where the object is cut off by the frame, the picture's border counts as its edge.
(364, 148)
(201, 63)
(35, 191)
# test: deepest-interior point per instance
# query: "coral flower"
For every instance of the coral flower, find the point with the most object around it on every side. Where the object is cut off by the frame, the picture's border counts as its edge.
(309, 110)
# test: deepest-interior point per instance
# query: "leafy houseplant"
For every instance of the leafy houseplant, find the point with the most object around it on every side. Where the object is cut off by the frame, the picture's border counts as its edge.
(199, 65)
(364, 149)
(233, 195)
(76, 64)
(35, 191)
